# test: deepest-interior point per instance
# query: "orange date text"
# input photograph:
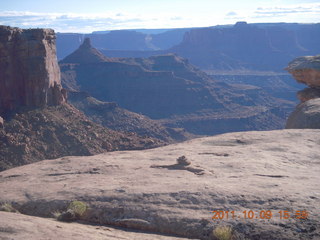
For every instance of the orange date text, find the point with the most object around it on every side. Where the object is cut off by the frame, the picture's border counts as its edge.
(259, 214)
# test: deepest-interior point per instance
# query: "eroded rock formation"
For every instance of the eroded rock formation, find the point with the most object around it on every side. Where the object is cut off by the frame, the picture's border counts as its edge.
(29, 72)
(306, 70)
(85, 54)
(307, 114)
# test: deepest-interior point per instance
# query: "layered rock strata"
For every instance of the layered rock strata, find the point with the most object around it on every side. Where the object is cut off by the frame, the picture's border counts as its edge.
(29, 72)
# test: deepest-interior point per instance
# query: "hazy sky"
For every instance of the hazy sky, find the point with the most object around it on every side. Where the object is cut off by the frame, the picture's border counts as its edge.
(92, 15)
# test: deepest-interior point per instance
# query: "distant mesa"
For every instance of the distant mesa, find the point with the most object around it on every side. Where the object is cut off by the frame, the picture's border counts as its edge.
(241, 23)
(85, 54)
(243, 46)
(258, 47)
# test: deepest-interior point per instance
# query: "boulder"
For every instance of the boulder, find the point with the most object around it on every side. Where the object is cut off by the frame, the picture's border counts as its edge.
(308, 94)
(306, 70)
(306, 115)
(30, 74)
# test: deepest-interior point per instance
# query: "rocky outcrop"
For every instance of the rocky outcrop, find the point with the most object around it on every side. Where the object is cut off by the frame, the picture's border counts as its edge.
(306, 70)
(306, 115)
(29, 72)
(308, 93)
(153, 191)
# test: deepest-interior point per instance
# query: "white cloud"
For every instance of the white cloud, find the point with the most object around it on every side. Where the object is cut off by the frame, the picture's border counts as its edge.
(70, 22)
(287, 10)
(231, 14)
(75, 22)
(65, 22)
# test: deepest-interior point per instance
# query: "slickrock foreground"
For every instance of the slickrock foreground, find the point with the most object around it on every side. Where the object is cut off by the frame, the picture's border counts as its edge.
(149, 190)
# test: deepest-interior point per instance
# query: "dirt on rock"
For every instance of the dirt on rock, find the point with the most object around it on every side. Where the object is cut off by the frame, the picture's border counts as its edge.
(51, 132)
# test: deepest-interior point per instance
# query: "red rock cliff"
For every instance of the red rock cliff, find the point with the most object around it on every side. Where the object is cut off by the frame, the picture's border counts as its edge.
(29, 72)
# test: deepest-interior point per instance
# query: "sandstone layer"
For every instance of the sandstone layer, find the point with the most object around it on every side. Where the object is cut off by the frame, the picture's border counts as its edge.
(150, 190)
(29, 72)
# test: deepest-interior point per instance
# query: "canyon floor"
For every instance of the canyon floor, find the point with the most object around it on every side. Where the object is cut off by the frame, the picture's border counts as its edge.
(149, 190)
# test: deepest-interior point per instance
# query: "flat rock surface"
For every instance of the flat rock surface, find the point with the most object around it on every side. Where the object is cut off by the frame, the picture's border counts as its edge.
(21, 227)
(148, 190)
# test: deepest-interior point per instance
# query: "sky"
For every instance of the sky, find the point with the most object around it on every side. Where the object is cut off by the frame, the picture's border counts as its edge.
(98, 15)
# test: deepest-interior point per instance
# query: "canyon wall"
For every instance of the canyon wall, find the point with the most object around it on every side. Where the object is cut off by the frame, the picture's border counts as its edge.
(29, 72)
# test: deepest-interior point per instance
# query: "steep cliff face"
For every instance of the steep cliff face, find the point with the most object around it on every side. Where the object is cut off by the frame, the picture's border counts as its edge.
(37, 123)
(29, 72)
(306, 70)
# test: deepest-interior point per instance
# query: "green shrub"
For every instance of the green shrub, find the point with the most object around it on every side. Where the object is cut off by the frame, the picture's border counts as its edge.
(223, 233)
(7, 207)
(75, 210)
(56, 214)
(78, 207)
